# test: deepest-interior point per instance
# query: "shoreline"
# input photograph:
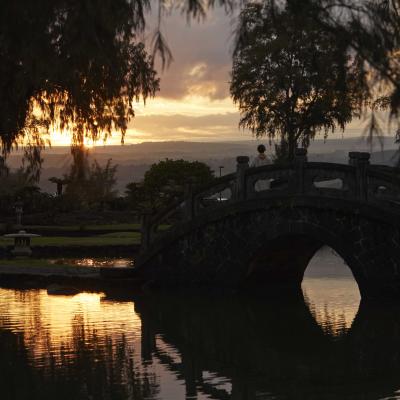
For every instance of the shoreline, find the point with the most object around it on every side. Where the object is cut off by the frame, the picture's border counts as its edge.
(82, 278)
(38, 252)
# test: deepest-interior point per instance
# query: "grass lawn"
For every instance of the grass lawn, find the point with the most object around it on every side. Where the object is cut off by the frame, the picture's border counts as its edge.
(109, 239)
(74, 228)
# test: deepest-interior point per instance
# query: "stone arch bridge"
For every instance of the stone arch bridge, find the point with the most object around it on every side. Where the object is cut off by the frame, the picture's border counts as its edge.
(258, 228)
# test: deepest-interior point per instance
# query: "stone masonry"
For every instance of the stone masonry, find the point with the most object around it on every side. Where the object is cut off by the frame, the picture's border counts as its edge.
(264, 241)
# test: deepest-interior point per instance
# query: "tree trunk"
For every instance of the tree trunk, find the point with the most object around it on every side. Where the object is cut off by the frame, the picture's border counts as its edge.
(292, 144)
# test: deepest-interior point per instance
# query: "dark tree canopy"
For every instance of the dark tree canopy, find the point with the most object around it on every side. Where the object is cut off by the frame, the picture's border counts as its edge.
(165, 181)
(170, 176)
(291, 78)
(371, 29)
(88, 185)
(76, 64)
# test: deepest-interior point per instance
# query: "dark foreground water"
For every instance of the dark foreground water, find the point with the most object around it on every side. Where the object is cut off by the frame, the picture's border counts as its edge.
(92, 346)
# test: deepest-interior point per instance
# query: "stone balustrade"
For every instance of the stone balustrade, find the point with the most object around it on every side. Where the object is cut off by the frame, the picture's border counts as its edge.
(358, 181)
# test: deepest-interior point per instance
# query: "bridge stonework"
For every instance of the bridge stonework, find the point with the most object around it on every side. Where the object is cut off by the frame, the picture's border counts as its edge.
(265, 240)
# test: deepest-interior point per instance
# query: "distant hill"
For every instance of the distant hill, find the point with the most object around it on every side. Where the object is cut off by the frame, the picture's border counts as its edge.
(135, 159)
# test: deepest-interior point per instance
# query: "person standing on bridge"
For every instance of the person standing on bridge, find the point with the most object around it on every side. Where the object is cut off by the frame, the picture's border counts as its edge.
(260, 160)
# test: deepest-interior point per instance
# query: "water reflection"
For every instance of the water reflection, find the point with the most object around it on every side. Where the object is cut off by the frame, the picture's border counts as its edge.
(267, 351)
(93, 346)
(95, 262)
(70, 348)
(331, 292)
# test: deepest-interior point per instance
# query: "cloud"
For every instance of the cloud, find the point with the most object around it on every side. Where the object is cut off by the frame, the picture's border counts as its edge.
(190, 105)
(194, 103)
(217, 127)
(202, 56)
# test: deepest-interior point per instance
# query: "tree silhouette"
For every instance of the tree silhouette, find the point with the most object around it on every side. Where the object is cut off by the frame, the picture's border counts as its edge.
(75, 65)
(78, 66)
(290, 78)
(89, 184)
(165, 181)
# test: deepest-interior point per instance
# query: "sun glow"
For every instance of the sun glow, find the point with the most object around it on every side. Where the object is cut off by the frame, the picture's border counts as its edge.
(64, 138)
(48, 322)
(190, 106)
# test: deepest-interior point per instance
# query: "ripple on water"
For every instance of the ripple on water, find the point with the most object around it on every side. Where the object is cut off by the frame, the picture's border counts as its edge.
(95, 262)
(331, 292)
(91, 346)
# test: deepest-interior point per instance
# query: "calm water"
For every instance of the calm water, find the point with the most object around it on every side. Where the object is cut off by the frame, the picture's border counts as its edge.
(94, 262)
(94, 346)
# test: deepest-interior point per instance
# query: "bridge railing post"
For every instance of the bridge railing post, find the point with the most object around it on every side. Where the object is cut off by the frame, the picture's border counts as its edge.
(145, 231)
(360, 160)
(300, 159)
(240, 187)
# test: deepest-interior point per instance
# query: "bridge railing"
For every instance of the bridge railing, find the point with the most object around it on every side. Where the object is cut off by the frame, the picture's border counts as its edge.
(154, 225)
(383, 186)
(357, 181)
(218, 194)
(195, 201)
(312, 178)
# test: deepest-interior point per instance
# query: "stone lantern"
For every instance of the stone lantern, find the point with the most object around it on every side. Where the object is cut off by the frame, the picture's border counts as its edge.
(22, 243)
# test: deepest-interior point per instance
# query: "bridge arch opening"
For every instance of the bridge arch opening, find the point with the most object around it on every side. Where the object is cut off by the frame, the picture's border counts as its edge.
(331, 291)
(280, 263)
(304, 267)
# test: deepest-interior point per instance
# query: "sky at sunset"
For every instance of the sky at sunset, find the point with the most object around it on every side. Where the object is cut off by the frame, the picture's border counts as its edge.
(193, 103)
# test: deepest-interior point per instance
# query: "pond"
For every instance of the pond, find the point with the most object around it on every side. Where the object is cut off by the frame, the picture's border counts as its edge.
(171, 347)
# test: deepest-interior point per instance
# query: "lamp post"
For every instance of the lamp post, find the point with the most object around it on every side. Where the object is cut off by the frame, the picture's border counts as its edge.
(220, 174)
(19, 211)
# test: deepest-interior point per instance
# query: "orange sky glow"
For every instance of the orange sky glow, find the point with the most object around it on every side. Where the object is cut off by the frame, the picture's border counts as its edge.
(194, 102)
(192, 118)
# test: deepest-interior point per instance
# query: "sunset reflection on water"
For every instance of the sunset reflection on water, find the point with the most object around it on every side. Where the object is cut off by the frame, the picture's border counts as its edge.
(331, 292)
(96, 262)
(174, 346)
(48, 323)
